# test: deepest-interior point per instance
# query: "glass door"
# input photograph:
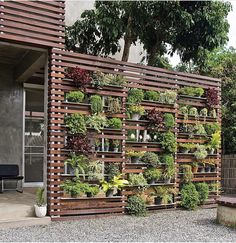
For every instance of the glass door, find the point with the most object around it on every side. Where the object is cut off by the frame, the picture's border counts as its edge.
(34, 137)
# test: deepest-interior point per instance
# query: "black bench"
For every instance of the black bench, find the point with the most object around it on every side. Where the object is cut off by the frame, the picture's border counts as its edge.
(10, 172)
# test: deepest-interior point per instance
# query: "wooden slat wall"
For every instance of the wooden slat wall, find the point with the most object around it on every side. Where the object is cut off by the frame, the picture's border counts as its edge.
(229, 173)
(144, 77)
(33, 22)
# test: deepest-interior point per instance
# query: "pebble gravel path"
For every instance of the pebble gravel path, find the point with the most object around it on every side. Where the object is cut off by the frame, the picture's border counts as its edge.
(167, 226)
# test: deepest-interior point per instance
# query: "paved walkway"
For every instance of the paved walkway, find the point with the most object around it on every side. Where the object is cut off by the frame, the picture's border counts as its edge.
(162, 226)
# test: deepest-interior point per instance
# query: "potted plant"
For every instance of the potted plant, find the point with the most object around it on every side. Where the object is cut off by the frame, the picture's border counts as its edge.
(194, 167)
(115, 123)
(199, 92)
(138, 180)
(155, 119)
(96, 104)
(106, 144)
(169, 170)
(184, 148)
(164, 195)
(75, 123)
(114, 105)
(199, 129)
(187, 173)
(193, 112)
(215, 142)
(152, 175)
(207, 168)
(135, 156)
(169, 121)
(136, 111)
(202, 167)
(168, 97)
(152, 95)
(97, 143)
(95, 170)
(212, 98)
(212, 128)
(92, 191)
(111, 170)
(40, 206)
(184, 111)
(213, 113)
(97, 122)
(75, 96)
(200, 152)
(151, 159)
(203, 112)
(203, 191)
(116, 144)
(78, 144)
(135, 96)
(168, 142)
(116, 183)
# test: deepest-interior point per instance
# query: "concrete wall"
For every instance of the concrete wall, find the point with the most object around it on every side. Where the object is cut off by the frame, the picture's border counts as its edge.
(11, 118)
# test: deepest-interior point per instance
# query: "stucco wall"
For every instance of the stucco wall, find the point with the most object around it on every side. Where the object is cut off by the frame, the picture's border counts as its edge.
(73, 12)
(11, 118)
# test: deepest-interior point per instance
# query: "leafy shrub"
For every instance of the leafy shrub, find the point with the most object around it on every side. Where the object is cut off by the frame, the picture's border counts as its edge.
(112, 169)
(152, 95)
(96, 104)
(212, 128)
(191, 91)
(199, 129)
(75, 96)
(114, 105)
(98, 122)
(150, 158)
(200, 152)
(168, 97)
(115, 123)
(203, 191)
(193, 112)
(98, 80)
(189, 196)
(76, 123)
(167, 159)
(152, 174)
(168, 142)
(114, 79)
(135, 96)
(92, 191)
(136, 109)
(215, 140)
(137, 180)
(136, 206)
(203, 112)
(169, 120)
(132, 153)
(199, 92)
(155, 119)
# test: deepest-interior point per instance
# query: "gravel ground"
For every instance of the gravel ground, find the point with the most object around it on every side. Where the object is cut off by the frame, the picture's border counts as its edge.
(161, 226)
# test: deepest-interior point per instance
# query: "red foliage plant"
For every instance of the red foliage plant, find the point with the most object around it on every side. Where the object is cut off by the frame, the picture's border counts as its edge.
(155, 119)
(80, 76)
(212, 97)
(79, 144)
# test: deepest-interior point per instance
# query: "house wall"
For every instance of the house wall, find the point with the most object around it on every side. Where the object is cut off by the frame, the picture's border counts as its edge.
(11, 118)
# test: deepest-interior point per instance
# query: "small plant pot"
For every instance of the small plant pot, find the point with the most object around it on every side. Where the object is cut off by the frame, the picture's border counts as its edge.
(106, 148)
(89, 194)
(158, 200)
(167, 181)
(40, 212)
(201, 170)
(184, 150)
(98, 149)
(70, 170)
(195, 169)
(116, 150)
(153, 181)
(213, 169)
(207, 169)
(135, 160)
(211, 151)
(110, 193)
(136, 117)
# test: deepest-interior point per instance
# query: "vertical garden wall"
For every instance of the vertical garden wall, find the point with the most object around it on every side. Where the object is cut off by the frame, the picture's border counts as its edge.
(122, 135)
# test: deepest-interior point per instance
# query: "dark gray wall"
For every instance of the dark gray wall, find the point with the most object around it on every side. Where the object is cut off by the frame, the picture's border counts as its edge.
(11, 118)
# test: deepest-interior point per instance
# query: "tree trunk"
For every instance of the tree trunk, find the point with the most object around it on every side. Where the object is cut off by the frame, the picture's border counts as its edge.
(128, 41)
(152, 55)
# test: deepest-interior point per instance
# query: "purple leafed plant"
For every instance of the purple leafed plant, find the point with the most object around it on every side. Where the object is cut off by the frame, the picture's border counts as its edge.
(212, 97)
(79, 144)
(155, 119)
(80, 76)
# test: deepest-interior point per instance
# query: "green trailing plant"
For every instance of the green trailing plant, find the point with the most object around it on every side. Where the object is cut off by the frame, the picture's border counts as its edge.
(96, 104)
(212, 128)
(136, 206)
(40, 197)
(75, 123)
(199, 129)
(203, 112)
(75, 96)
(201, 152)
(75, 187)
(114, 105)
(136, 109)
(115, 123)
(168, 142)
(135, 96)
(165, 193)
(97, 122)
(111, 170)
(95, 170)
(152, 95)
(78, 163)
(152, 174)
(151, 159)
(169, 120)
(189, 196)
(193, 112)
(203, 191)
(116, 183)
(187, 173)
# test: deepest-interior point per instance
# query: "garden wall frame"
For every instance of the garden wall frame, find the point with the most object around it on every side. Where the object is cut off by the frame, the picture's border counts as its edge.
(137, 76)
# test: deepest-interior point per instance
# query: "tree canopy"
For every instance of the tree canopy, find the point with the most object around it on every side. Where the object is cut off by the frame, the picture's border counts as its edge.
(188, 27)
